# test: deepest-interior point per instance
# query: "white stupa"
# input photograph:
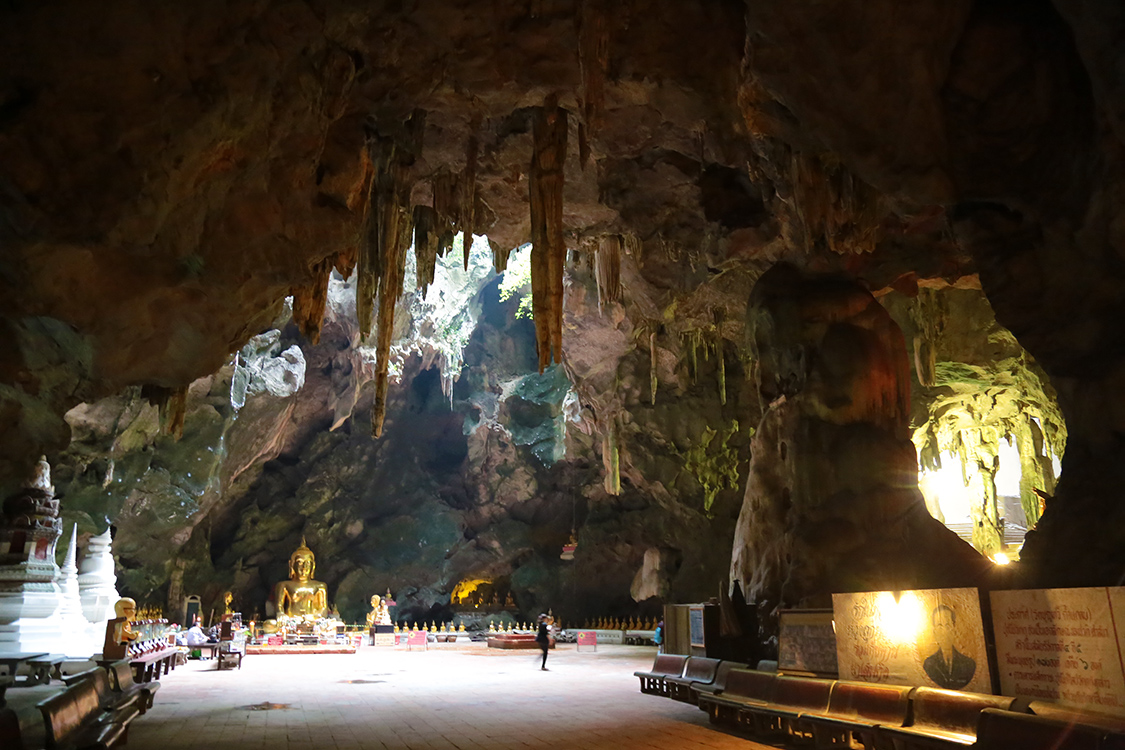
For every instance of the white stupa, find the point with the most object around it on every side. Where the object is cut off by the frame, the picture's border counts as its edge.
(29, 593)
(74, 623)
(97, 585)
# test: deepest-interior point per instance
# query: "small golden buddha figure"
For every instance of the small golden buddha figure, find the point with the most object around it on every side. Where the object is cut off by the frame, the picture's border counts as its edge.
(373, 615)
(301, 596)
(123, 632)
(228, 598)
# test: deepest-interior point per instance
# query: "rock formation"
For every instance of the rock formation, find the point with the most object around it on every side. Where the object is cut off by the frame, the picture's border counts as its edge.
(171, 176)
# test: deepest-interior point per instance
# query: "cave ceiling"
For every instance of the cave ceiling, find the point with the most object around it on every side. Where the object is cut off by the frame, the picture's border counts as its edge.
(169, 175)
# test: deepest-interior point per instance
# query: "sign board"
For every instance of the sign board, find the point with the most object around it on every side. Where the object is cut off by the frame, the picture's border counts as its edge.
(807, 642)
(275, 640)
(1062, 645)
(928, 637)
(416, 638)
(587, 638)
(695, 627)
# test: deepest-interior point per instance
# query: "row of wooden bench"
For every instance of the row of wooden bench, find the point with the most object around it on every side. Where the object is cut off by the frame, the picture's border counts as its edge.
(840, 713)
(94, 711)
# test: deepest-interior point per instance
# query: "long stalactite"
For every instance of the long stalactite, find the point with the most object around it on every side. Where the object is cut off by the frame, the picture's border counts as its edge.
(382, 260)
(607, 269)
(548, 252)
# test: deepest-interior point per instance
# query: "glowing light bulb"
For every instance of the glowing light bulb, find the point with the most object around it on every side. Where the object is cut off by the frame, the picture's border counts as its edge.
(1001, 559)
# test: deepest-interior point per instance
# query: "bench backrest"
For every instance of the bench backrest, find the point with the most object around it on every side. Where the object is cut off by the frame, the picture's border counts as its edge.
(752, 684)
(120, 675)
(804, 693)
(953, 711)
(1046, 709)
(723, 670)
(69, 710)
(888, 705)
(1009, 730)
(701, 669)
(669, 664)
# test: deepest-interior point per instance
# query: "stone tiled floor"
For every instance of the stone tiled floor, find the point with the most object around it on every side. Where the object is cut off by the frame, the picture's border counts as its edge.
(382, 698)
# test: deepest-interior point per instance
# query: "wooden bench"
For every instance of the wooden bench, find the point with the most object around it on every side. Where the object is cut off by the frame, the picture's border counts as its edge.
(10, 736)
(855, 709)
(88, 715)
(943, 719)
(744, 688)
(792, 697)
(121, 681)
(666, 665)
(719, 684)
(1009, 730)
(699, 669)
(150, 666)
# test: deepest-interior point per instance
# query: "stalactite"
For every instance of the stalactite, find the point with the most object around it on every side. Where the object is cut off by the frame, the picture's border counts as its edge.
(426, 241)
(172, 405)
(548, 251)
(382, 265)
(722, 371)
(309, 301)
(469, 190)
(652, 365)
(447, 207)
(607, 269)
(611, 459)
(499, 256)
(593, 59)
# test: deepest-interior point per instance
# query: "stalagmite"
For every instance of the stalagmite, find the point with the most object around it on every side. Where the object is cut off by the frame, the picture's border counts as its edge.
(382, 260)
(309, 301)
(172, 403)
(607, 269)
(548, 251)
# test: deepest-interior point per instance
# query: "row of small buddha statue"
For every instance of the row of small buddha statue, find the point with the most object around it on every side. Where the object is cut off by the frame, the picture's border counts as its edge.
(613, 623)
(150, 612)
(432, 629)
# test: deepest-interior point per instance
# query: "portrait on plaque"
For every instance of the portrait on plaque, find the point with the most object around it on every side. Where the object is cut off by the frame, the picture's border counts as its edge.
(929, 637)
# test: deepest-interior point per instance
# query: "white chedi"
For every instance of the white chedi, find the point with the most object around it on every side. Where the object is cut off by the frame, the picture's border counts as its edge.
(97, 582)
(80, 641)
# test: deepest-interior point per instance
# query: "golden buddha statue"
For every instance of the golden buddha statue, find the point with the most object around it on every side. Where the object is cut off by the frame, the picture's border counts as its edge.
(301, 596)
(228, 599)
(380, 613)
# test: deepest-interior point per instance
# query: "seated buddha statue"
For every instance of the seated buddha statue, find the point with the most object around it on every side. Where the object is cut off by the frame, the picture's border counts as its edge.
(301, 596)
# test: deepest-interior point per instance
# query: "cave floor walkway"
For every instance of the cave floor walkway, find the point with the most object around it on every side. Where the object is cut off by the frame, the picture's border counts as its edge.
(463, 699)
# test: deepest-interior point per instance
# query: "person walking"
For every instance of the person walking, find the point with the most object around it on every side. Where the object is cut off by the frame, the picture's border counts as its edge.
(543, 638)
(658, 637)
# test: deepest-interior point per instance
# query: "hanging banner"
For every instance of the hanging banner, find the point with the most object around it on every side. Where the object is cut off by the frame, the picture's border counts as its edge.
(927, 637)
(1061, 645)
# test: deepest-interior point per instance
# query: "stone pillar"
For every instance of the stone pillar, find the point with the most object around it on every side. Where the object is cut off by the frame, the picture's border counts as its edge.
(832, 501)
(29, 595)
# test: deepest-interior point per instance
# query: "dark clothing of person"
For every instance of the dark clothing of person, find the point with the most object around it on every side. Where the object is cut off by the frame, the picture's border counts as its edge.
(544, 641)
(952, 675)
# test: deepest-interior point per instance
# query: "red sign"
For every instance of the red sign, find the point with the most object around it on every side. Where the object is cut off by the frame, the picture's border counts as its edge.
(275, 640)
(417, 638)
(587, 638)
